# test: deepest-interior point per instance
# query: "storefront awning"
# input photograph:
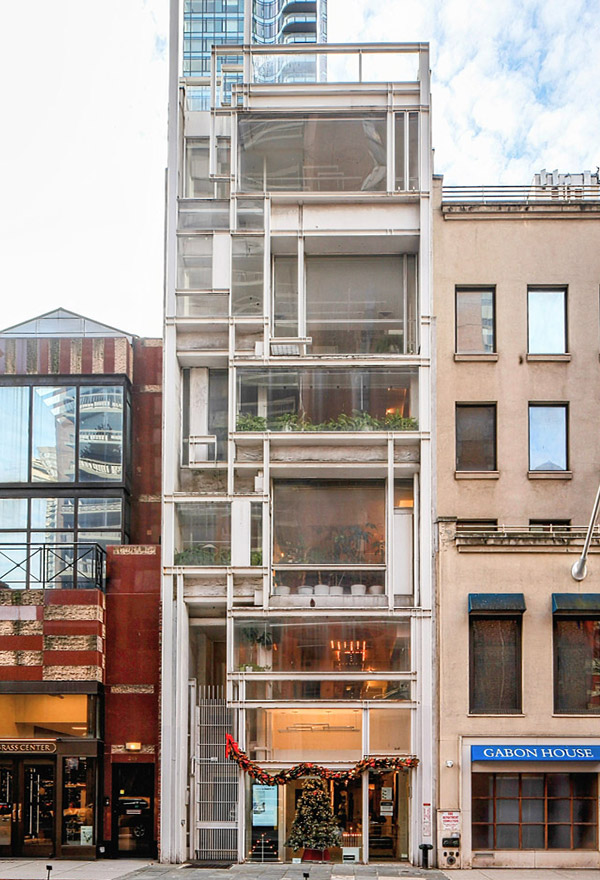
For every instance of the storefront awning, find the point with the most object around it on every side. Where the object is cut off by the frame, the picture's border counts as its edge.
(496, 603)
(575, 603)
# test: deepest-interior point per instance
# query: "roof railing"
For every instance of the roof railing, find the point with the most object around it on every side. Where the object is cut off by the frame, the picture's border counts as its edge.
(532, 194)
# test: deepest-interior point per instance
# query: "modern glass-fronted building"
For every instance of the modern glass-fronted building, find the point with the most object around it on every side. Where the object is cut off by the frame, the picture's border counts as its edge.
(297, 581)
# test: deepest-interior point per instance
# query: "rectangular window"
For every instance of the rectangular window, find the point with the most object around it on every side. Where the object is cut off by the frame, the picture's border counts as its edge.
(78, 801)
(475, 320)
(534, 811)
(327, 400)
(204, 533)
(308, 734)
(194, 262)
(101, 433)
(247, 274)
(475, 437)
(40, 716)
(285, 296)
(548, 437)
(312, 153)
(324, 645)
(53, 453)
(577, 666)
(329, 522)
(495, 665)
(14, 434)
(547, 321)
(361, 304)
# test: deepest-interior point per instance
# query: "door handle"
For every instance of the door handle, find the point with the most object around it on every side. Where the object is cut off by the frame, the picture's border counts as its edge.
(20, 811)
(14, 812)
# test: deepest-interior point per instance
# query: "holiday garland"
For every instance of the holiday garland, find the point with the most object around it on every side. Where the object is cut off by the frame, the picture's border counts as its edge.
(235, 753)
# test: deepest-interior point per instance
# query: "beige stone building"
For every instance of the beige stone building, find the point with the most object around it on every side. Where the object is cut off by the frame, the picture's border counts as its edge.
(516, 284)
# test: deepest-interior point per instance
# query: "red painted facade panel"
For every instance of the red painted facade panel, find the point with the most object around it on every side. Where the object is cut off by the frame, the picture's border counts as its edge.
(72, 658)
(21, 643)
(73, 628)
(21, 673)
(72, 597)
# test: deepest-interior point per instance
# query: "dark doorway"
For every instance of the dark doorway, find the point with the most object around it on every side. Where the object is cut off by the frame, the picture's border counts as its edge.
(133, 809)
(27, 807)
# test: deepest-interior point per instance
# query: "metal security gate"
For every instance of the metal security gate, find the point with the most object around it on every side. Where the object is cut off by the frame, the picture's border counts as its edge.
(213, 778)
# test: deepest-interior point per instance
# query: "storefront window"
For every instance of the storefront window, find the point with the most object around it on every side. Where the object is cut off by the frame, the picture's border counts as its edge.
(78, 801)
(33, 716)
(535, 810)
(304, 734)
(322, 646)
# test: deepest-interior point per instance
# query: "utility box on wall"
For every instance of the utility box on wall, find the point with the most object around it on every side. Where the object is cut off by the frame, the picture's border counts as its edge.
(449, 833)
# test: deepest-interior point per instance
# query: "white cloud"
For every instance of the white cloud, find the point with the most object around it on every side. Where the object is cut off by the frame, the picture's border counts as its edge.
(83, 91)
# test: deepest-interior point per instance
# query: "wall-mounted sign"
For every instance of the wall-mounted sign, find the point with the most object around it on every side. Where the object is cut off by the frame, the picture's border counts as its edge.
(535, 753)
(30, 747)
(450, 820)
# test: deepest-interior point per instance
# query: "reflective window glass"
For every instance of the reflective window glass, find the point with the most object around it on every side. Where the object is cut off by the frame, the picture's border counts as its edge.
(204, 533)
(475, 321)
(13, 513)
(247, 274)
(548, 437)
(547, 321)
(14, 434)
(576, 663)
(53, 448)
(476, 437)
(101, 433)
(304, 734)
(312, 154)
(100, 513)
(53, 513)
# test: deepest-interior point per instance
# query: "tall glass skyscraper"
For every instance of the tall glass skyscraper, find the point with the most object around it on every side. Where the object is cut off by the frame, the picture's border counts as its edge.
(222, 22)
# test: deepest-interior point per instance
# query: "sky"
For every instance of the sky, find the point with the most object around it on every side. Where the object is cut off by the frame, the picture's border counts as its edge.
(83, 91)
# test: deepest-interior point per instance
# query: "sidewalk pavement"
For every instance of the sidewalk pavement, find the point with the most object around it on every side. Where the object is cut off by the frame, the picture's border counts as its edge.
(140, 869)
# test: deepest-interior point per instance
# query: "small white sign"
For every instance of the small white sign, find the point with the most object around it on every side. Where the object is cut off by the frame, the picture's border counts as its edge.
(86, 835)
(386, 793)
(451, 820)
(426, 823)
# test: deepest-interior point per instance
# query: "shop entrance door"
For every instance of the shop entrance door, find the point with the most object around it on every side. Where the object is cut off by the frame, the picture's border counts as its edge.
(133, 802)
(388, 816)
(27, 807)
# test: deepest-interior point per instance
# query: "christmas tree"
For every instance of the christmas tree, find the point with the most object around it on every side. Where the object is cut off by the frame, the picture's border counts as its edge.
(314, 825)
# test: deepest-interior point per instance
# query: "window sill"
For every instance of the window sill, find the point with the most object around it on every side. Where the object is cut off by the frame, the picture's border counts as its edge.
(574, 715)
(486, 358)
(476, 475)
(550, 475)
(496, 715)
(540, 358)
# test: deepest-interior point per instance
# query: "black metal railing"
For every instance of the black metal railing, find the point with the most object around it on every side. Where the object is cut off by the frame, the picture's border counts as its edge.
(80, 566)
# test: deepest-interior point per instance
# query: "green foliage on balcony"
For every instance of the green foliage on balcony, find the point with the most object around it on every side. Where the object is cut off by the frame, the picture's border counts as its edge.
(357, 421)
(206, 554)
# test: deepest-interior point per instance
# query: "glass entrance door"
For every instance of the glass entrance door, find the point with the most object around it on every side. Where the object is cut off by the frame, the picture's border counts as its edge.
(388, 816)
(27, 807)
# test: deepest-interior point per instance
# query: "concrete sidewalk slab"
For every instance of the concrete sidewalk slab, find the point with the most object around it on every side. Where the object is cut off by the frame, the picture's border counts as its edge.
(69, 869)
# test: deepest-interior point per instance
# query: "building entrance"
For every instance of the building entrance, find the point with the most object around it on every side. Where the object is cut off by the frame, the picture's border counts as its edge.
(133, 800)
(27, 807)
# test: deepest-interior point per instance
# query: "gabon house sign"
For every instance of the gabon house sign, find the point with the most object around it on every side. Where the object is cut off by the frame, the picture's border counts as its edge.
(535, 753)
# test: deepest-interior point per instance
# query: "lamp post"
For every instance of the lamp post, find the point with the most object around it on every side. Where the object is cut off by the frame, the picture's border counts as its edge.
(579, 568)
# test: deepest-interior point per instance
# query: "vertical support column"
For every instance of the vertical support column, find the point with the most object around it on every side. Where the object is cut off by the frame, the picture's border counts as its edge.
(389, 525)
(301, 283)
(365, 816)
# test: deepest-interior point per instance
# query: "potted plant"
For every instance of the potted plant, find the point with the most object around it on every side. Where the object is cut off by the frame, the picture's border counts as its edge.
(314, 828)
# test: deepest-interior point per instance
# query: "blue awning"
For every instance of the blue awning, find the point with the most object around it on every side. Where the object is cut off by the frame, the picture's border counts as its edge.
(575, 603)
(496, 603)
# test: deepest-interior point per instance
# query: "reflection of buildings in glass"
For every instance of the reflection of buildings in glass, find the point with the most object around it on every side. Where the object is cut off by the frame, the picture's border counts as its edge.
(53, 453)
(101, 433)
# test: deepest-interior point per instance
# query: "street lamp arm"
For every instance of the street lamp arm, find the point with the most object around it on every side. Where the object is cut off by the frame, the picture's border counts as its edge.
(579, 568)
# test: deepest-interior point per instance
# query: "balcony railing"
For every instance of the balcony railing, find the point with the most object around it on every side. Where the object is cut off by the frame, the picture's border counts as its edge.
(533, 194)
(52, 566)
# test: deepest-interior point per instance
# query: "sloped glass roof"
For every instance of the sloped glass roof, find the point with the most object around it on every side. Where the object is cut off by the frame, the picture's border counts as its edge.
(63, 323)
